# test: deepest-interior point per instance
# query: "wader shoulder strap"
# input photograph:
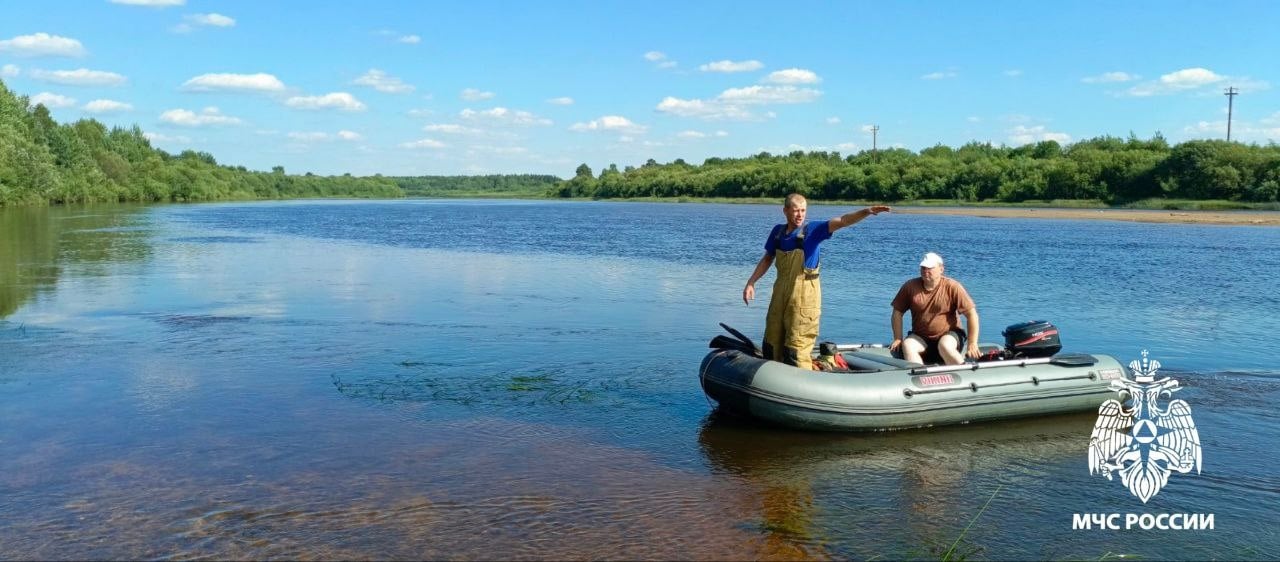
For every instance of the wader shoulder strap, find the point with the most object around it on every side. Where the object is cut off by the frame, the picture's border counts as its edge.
(782, 232)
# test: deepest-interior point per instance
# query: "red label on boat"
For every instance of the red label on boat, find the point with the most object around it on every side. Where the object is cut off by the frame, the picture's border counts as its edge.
(933, 380)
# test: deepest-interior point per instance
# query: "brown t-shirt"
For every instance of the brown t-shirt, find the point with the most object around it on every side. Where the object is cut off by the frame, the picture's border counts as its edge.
(933, 313)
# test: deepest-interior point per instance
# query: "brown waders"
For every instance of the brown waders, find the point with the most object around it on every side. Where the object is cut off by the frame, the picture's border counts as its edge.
(791, 327)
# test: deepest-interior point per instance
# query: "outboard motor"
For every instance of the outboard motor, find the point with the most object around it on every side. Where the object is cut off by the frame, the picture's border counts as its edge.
(1036, 338)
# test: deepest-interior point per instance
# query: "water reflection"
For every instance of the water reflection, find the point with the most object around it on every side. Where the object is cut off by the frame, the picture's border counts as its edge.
(907, 492)
(37, 243)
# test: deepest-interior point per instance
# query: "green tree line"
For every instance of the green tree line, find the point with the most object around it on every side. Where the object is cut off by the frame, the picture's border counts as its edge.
(1107, 169)
(42, 161)
(506, 185)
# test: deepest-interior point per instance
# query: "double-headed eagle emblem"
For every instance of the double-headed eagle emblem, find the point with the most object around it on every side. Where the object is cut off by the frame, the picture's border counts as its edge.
(1138, 439)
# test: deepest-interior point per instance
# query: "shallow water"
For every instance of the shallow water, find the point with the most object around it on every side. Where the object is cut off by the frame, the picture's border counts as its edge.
(498, 379)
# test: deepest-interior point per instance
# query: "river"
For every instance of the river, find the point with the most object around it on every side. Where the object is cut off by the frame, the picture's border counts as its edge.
(518, 380)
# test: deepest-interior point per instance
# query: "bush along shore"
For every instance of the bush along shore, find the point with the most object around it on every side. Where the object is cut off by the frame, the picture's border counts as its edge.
(44, 162)
(1107, 170)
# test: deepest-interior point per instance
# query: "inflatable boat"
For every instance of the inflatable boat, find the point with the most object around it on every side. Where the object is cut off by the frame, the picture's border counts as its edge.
(878, 391)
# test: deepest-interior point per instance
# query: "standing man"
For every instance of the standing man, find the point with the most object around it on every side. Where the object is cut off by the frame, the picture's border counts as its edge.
(936, 303)
(791, 326)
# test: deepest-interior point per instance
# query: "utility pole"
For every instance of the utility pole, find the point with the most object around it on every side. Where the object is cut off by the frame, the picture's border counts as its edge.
(1231, 94)
(874, 129)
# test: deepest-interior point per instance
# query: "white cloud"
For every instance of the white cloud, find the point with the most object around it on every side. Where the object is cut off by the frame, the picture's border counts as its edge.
(452, 129)
(318, 136)
(769, 95)
(340, 101)
(610, 123)
(383, 82)
(79, 77)
(1266, 129)
(973, 119)
(732, 103)
(691, 135)
(1215, 128)
(504, 116)
(410, 39)
(833, 120)
(732, 66)
(52, 100)
(867, 128)
(659, 59)
(420, 112)
(160, 137)
(472, 94)
(1192, 80)
(256, 83)
(705, 109)
(207, 116)
(211, 20)
(308, 136)
(561, 101)
(205, 20)
(847, 147)
(42, 45)
(107, 106)
(792, 76)
(938, 75)
(9, 71)
(1023, 134)
(423, 143)
(1108, 77)
(151, 3)
(722, 133)
(1013, 73)
(500, 150)
(1246, 85)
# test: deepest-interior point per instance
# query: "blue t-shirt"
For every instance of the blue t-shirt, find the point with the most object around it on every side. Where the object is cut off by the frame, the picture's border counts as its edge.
(814, 233)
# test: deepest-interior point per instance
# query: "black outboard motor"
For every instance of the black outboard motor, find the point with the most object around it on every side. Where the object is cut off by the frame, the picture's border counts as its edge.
(1036, 338)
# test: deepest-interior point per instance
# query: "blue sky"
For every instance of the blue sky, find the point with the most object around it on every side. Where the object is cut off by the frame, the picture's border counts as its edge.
(442, 88)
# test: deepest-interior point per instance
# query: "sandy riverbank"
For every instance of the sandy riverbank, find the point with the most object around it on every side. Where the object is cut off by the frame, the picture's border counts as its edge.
(1246, 218)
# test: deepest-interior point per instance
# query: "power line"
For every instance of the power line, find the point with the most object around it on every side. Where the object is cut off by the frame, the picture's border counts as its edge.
(1231, 94)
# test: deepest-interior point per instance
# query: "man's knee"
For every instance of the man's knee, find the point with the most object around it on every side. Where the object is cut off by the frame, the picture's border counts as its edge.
(949, 349)
(913, 347)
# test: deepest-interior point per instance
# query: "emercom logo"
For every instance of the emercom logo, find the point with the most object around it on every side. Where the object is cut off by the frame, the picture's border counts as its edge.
(1138, 439)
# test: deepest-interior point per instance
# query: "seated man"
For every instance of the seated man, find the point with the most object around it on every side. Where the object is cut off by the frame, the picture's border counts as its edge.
(935, 303)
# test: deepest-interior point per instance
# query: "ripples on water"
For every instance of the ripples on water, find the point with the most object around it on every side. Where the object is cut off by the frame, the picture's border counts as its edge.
(517, 380)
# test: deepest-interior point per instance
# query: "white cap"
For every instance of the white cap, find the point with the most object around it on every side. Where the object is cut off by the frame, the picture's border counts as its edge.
(931, 260)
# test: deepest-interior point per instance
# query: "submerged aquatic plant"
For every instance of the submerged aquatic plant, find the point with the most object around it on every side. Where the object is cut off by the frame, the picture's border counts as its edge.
(947, 556)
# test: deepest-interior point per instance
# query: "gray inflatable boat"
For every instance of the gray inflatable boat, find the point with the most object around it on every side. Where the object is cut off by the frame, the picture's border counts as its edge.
(880, 392)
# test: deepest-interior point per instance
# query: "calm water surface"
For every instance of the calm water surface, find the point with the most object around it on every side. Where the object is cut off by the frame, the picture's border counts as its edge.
(499, 379)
